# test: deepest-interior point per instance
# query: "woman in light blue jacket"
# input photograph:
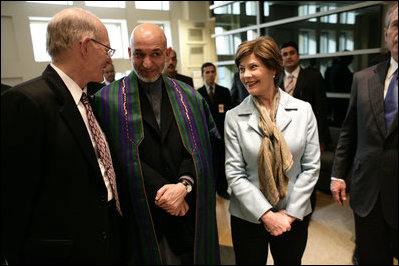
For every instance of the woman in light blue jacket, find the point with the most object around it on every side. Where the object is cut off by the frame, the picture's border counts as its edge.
(272, 161)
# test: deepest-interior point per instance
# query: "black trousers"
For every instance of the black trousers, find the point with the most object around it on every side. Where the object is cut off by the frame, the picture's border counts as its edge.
(250, 242)
(376, 241)
(219, 168)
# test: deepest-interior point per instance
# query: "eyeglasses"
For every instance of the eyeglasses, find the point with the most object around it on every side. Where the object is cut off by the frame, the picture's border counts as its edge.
(110, 51)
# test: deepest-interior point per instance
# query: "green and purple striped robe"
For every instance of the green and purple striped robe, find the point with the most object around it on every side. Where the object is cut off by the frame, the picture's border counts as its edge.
(118, 107)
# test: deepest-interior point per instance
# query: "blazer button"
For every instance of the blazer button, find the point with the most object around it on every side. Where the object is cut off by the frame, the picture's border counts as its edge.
(104, 235)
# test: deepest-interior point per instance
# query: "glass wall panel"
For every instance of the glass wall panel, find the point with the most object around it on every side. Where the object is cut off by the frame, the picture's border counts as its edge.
(275, 10)
(236, 15)
(226, 46)
(356, 30)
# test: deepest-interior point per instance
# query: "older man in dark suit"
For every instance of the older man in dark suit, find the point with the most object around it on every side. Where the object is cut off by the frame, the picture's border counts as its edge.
(60, 202)
(369, 141)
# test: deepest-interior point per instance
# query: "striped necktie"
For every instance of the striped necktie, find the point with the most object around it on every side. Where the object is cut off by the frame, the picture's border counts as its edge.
(290, 84)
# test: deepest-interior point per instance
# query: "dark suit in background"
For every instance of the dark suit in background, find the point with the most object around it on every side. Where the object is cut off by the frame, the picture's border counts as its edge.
(93, 87)
(310, 87)
(186, 79)
(53, 198)
(222, 103)
(364, 143)
(238, 91)
(5, 87)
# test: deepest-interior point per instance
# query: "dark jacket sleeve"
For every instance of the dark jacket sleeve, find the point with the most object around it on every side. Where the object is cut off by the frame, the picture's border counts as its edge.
(21, 153)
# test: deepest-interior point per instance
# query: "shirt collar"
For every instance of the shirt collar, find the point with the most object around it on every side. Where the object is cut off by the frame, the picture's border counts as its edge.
(208, 88)
(294, 73)
(72, 86)
(392, 67)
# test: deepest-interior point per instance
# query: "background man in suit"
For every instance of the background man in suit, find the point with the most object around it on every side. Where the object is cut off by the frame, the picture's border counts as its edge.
(171, 72)
(219, 101)
(369, 141)
(58, 202)
(164, 129)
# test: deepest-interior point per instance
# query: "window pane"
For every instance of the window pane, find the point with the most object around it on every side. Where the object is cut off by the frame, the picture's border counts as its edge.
(225, 75)
(227, 45)
(116, 4)
(38, 30)
(152, 5)
(236, 15)
(69, 3)
(117, 32)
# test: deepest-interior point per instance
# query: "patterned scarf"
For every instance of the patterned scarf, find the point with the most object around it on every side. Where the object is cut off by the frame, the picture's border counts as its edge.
(275, 158)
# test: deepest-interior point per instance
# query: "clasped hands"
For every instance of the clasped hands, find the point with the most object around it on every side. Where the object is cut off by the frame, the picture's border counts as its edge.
(170, 197)
(277, 223)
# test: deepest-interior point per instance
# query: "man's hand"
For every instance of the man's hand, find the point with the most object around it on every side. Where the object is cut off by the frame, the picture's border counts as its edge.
(171, 198)
(338, 190)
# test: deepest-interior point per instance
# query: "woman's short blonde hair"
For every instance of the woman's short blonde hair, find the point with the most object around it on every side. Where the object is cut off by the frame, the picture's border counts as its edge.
(266, 50)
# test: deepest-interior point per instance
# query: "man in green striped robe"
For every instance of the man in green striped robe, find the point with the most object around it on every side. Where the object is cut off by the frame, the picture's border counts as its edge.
(163, 131)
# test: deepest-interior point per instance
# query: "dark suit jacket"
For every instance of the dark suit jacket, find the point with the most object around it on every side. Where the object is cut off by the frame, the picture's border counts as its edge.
(364, 143)
(310, 87)
(164, 160)
(93, 87)
(222, 104)
(54, 207)
(238, 91)
(185, 79)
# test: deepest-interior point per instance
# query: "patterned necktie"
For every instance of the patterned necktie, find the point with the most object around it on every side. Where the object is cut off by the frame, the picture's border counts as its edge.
(391, 101)
(102, 149)
(290, 84)
(211, 95)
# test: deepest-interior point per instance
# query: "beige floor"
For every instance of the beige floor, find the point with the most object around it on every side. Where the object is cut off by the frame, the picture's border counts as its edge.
(331, 232)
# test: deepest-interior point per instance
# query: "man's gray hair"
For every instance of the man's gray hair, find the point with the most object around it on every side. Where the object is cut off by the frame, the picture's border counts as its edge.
(67, 27)
(389, 13)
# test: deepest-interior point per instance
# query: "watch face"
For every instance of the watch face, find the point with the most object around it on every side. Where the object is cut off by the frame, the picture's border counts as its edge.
(187, 185)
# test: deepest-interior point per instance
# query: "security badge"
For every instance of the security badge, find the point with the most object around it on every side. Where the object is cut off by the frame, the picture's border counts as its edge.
(221, 108)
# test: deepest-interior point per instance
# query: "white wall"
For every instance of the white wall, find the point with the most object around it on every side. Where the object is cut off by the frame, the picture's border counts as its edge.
(17, 59)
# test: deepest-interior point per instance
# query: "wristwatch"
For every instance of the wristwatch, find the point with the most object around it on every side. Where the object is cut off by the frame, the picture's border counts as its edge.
(187, 185)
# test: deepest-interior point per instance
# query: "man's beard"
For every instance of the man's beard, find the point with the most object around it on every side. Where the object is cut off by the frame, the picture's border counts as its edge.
(146, 79)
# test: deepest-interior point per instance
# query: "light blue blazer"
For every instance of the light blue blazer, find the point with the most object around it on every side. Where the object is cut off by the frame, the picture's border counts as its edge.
(296, 121)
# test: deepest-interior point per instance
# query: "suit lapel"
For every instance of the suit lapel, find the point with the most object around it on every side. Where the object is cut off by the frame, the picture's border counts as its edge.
(376, 95)
(71, 115)
(283, 119)
(299, 84)
(281, 82)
